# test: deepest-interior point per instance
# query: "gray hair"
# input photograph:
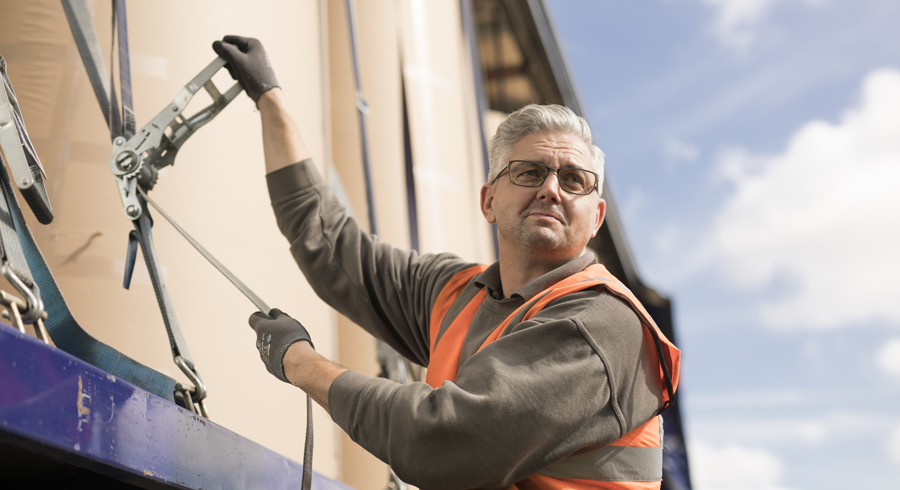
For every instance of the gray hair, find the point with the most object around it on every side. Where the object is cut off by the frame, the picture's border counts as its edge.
(533, 119)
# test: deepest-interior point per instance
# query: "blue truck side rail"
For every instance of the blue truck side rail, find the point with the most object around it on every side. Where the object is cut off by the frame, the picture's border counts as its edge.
(60, 414)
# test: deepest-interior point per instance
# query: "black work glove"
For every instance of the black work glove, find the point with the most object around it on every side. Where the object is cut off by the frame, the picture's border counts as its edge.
(247, 63)
(276, 332)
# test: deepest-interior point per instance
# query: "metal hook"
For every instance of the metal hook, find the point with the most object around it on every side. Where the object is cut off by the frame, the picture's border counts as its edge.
(16, 317)
(35, 306)
(199, 392)
(185, 393)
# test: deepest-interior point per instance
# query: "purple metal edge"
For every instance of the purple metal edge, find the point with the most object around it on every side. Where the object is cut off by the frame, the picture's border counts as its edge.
(90, 418)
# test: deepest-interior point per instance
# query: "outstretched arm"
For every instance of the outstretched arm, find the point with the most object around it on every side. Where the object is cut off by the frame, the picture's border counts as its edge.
(286, 349)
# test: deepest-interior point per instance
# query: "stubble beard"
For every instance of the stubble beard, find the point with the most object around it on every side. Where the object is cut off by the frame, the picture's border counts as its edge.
(541, 240)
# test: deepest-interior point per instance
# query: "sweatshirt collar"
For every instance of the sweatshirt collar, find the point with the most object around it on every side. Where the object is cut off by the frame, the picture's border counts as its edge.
(490, 278)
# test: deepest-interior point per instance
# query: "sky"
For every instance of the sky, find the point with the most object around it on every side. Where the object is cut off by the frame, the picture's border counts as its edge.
(753, 150)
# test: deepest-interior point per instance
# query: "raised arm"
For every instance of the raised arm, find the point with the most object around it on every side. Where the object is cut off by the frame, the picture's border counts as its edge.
(249, 65)
(282, 143)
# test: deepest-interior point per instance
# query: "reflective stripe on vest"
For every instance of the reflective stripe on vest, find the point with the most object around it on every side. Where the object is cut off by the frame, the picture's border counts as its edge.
(632, 462)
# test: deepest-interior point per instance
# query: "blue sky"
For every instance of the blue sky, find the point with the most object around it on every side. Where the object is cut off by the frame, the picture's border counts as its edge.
(753, 147)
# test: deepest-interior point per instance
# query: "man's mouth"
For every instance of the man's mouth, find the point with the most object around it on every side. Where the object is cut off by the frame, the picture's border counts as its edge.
(546, 215)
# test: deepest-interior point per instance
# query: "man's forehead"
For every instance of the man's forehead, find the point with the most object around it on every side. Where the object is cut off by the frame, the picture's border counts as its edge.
(563, 146)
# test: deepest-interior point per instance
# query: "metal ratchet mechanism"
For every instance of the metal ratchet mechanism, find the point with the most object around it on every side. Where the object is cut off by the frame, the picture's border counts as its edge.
(135, 164)
(18, 152)
(136, 161)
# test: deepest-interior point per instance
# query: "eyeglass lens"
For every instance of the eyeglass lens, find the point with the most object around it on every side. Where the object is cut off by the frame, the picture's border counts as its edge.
(533, 174)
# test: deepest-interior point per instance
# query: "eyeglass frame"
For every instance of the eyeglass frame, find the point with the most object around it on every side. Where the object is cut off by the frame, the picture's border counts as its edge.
(550, 169)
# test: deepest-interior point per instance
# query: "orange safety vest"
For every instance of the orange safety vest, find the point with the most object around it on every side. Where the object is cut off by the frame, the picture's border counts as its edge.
(634, 461)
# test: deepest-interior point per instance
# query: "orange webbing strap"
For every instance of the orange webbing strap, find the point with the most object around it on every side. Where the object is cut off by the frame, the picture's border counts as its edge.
(596, 275)
(670, 360)
(573, 283)
(447, 296)
(442, 363)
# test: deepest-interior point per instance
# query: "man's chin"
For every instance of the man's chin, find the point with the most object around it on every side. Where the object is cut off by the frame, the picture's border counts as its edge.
(547, 243)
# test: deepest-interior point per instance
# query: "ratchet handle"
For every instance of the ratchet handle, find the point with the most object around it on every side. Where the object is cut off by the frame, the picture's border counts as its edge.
(38, 201)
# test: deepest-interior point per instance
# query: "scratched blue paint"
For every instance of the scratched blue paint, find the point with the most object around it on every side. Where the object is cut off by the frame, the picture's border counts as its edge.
(51, 398)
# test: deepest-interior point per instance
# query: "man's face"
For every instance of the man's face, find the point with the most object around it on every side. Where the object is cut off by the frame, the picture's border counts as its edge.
(544, 221)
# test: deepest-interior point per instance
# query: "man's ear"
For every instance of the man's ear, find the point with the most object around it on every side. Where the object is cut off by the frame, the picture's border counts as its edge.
(487, 203)
(601, 214)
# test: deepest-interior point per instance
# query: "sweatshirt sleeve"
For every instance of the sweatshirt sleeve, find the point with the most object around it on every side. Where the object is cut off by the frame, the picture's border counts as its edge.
(532, 397)
(387, 291)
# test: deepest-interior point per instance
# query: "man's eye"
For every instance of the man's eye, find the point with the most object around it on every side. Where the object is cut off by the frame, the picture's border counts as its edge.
(573, 178)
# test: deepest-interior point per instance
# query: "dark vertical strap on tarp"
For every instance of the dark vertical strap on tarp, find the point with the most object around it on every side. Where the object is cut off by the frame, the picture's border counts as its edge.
(129, 125)
(85, 35)
(361, 110)
(411, 204)
(468, 24)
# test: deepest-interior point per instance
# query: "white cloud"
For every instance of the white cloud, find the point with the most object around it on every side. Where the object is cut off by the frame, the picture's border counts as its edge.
(734, 467)
(737, 20)
(751, 427)
(812, 432)
(823, 215)
(676, 151)
(889, 357)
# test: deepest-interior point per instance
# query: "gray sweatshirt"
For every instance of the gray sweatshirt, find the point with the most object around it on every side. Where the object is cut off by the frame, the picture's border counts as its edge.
(575, 377)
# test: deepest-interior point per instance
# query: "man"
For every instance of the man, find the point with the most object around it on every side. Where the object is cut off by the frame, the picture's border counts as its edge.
(543, 370)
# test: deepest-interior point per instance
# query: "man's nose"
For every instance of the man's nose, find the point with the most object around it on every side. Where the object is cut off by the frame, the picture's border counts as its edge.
(550, 188)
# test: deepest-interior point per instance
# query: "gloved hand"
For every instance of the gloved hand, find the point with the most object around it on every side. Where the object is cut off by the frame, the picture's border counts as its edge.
(276, 332)
(247, 63)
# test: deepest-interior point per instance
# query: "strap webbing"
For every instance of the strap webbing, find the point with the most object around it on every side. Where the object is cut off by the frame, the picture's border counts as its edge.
(176, 342)
(63, 328)
(82, 25)
(361, 109)
(10, 249)
(86, 39)
(65, 331)
(129, 125)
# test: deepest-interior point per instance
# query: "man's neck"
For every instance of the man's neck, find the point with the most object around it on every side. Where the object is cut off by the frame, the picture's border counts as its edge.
(516, 273)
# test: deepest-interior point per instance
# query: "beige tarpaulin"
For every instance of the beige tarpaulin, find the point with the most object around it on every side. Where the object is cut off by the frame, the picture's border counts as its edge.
(216, 189)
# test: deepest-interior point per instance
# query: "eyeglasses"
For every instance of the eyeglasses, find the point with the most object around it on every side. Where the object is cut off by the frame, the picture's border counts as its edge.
(533, 174)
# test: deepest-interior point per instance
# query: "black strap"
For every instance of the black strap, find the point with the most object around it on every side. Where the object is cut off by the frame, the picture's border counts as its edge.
(129, 125)
(361, 110)
(306, 482)
(145, 237)
(667, 376)
(82, 25)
